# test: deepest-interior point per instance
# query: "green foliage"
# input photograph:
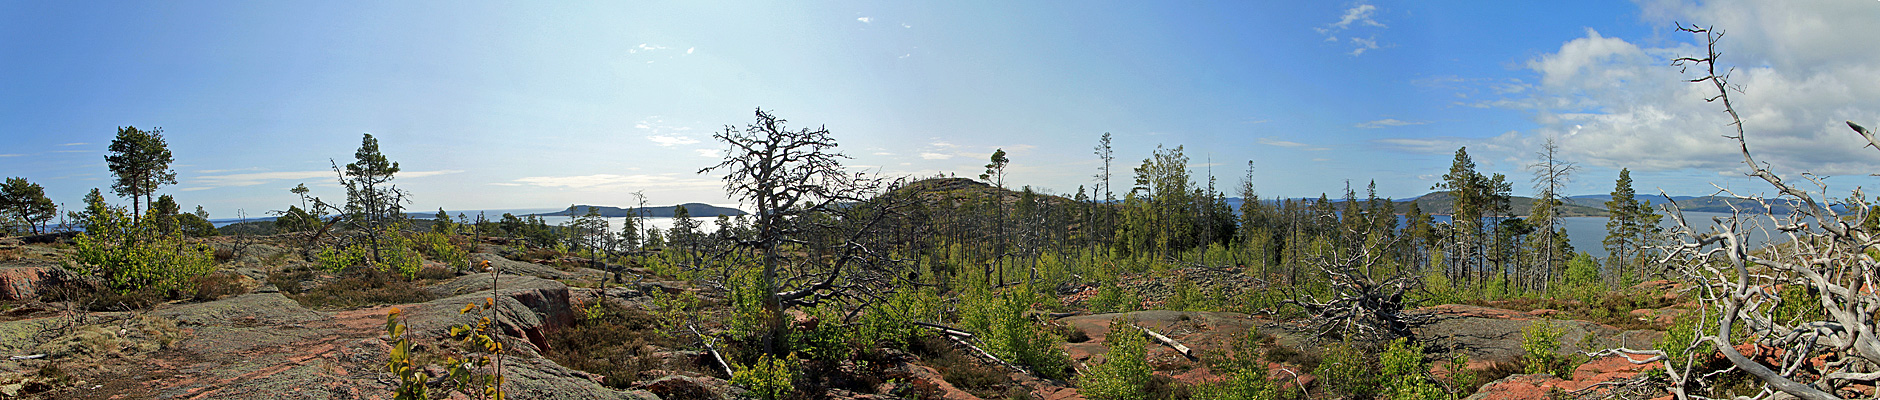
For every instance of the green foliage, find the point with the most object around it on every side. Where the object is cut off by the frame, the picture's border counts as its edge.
(1186, 296)
(26, 203)
(1000, 319)
(890, 323)
(1405, 373)
(133, 257)
(1124, 374)
(396, 253)
(673, 312)
(1681, 340)
(1800, 304)
(826, 339)
(1538, 341)
(411, 376)
(1345, 369)
(465, 371)
(770, 378)
(1112, 299)
(141, 161)
(438, 247)
(1582, 277)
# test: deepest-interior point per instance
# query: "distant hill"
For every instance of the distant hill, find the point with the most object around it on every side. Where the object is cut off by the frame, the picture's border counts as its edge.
(1716, 204)
(1440, 203)
(696, 210)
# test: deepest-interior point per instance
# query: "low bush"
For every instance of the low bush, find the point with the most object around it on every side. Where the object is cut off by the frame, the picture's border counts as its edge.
(1346, 370)
(613, 341)
(1538, 341)
(353, 288)
(135, 256)
(1124, 373)
(217, 285)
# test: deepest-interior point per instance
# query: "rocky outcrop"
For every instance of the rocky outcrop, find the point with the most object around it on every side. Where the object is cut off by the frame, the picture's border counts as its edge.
(1493, 334)
(20, 283)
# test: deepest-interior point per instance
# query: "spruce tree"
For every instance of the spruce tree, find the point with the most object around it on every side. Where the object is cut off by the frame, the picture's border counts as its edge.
(1622, 225)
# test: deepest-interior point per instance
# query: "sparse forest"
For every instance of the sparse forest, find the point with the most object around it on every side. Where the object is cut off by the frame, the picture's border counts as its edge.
(847, 285)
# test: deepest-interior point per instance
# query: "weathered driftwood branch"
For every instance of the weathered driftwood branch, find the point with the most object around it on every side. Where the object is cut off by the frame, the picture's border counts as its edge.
(713, 349)
(1171, 343)
(988, 355)
(946, 330)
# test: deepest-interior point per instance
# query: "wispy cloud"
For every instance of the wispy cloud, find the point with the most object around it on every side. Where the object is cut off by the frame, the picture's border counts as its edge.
(1280, 143)
(75, 144)
(421, 174)
(1358, 16)
(934, 156)
(865, 20)
(669, 141)
(1256, 121)
(250, 179)
(610, 181)
(11, 155)
(707, 153)
(644, 47)
(1360, 45)
(1389, 122)
(689, 50)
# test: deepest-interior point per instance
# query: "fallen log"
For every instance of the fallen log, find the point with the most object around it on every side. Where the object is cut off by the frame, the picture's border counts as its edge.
(1166, 341)
(714, 350)
(945, 329)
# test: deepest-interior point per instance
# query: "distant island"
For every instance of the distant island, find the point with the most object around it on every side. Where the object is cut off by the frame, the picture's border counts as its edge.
(696, 210)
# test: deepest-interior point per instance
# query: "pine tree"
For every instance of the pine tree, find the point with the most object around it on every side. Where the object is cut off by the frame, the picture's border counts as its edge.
(141, 161)
(26, 202)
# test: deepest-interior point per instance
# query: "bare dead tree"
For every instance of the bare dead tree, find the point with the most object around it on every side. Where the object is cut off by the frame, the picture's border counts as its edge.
(1819, 355)
(818, 231)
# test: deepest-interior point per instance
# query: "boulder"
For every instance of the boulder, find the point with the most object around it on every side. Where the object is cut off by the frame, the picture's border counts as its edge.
(20, 283)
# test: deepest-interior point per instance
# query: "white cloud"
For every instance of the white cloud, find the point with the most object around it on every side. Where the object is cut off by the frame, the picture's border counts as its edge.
(904, 25)
(689, 50)
(707, 153)
(1362, 44)
(865, 20)
(1388, 122)
(1801, 71)
(611, 181)
(11, 155)
(421, 174)
(669, 141)
(75, 144)
(251, 179)
(934, 156)
(1321, 159)
(1358, 16)
(1280, 143)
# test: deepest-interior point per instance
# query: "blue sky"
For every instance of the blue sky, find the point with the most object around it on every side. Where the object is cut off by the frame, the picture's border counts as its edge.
(491, 105)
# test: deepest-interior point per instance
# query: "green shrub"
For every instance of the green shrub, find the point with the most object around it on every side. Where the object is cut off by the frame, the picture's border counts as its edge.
(1111, 299)
(890, 322)
(1245, 372)
(1405, 373)
(1124, 374)
(135, 256)
(1001, 321)
(769, 379)
(439, 247)
(1538, 342)
(1345, 369)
